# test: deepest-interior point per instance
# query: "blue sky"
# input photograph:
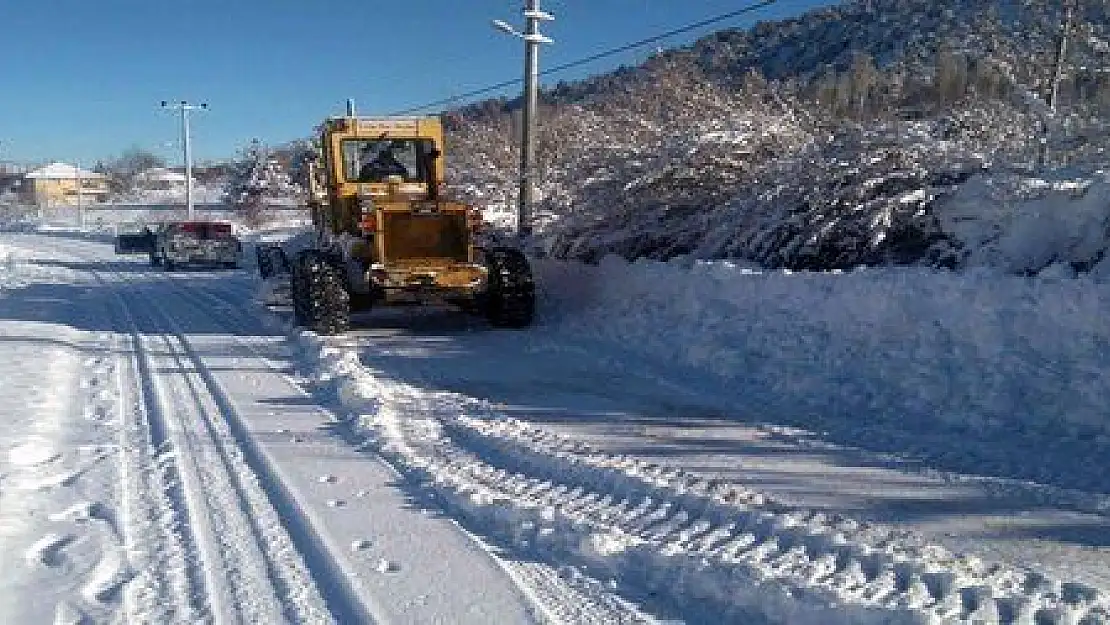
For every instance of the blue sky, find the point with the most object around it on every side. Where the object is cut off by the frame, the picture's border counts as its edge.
(82, 80)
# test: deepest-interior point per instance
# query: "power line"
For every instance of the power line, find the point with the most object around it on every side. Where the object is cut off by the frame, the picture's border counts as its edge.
(593, 57)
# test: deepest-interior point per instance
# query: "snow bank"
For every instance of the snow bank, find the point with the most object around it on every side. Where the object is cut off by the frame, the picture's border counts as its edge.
(1023, 225)
(979, 366)
(709, 550)
(903, 350)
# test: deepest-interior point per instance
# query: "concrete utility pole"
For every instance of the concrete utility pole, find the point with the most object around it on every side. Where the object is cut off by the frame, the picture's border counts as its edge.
(1048, 119)
(186, 142)
(532, 40)
(1061, 56)
(80, 205)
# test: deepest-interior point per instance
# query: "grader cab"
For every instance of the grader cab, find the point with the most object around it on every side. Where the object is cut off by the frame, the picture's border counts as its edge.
(385, 236)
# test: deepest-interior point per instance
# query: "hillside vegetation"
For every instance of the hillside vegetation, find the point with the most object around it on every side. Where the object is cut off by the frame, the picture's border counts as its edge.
(850, 135)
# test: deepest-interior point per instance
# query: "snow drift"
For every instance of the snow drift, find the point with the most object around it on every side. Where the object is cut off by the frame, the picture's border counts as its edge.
(910, 354)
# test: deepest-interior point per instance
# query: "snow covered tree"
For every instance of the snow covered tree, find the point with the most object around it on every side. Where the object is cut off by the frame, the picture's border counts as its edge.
(257, 182)
(827, 141)
(123, 171)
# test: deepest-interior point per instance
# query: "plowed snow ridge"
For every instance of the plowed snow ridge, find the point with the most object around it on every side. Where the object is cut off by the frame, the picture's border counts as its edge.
(701, 544)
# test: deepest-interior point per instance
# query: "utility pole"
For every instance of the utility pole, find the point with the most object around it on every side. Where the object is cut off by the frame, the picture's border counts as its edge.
(80, 205)
(1061, 54)
(532, 40)
(1057, 78)
(186, 143)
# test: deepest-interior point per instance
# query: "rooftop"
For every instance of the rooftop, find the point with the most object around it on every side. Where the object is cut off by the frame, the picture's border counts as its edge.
(61, 171)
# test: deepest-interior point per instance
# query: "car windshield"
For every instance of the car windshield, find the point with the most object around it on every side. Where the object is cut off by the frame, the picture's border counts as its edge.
(375, 160)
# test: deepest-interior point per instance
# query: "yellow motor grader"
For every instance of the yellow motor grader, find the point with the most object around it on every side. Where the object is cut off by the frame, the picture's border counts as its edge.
(384, 236)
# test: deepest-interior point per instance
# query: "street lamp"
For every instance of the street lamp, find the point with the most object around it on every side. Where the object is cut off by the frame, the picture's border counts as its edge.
(532, 40)
(185, 107)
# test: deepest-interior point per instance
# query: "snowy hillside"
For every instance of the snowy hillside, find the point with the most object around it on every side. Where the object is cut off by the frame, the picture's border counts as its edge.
(837, 139)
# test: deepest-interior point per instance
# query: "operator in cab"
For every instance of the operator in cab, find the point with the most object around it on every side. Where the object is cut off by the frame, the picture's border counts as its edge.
(385, 164)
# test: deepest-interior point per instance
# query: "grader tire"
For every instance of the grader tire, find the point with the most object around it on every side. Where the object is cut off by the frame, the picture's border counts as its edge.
(510, 300)
(321, 302)
(270, 260)
(263, 261)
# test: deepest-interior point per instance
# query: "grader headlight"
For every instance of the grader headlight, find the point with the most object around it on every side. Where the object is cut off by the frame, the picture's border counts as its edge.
(367, 219)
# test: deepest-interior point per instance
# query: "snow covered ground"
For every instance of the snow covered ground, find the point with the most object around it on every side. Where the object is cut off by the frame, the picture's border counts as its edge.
(689, 441)
(677, 426)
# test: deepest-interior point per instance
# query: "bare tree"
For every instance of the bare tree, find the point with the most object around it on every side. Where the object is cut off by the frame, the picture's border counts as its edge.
(951, 75)
(123, 170)
(864, 79)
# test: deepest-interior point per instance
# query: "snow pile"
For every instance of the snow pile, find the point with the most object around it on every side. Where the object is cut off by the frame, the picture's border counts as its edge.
(1024, 225)
(911, 355)
(971, 371)
(705, 549)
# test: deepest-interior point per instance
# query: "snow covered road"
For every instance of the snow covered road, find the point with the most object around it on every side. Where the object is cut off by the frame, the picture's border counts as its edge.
(228, 496)
(590, 393)
(178, 454)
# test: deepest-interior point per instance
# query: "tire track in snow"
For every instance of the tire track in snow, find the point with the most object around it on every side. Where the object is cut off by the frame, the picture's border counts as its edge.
(179, 551)
(246, 554)
(794, 544)
(562, 598)
(180, 581)
(877, 575)
(150, 575)
(231, 558)
(170, 584)
(572, 597)
(566, 495)
(158, 546)
(338, 592)
(701, 543)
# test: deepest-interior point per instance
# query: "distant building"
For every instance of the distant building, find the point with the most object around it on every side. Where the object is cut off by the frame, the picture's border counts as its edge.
(160, 179)
(60, 184)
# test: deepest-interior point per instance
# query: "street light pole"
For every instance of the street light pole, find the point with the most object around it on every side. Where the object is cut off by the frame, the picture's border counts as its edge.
(186, 143)
(532, 40)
